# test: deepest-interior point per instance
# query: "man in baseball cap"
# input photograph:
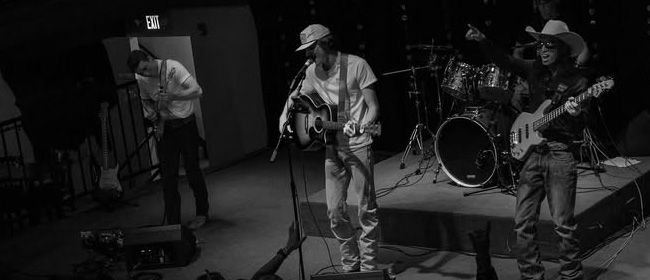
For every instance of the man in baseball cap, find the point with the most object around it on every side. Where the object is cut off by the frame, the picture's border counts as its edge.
(345, 81)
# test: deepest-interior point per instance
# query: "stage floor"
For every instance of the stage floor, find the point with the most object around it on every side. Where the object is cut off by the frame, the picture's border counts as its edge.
(414, 211)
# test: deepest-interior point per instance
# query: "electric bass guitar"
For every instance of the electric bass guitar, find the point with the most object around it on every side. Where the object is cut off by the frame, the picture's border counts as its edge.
(314, 123)
(526, 130)
(161, 106)
(108, 180)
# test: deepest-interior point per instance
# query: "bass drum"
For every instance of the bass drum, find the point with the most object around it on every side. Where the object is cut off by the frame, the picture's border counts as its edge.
(466, 151)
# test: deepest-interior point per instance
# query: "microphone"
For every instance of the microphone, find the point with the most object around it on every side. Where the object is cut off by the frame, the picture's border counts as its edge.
(300, 72)
(304, 66)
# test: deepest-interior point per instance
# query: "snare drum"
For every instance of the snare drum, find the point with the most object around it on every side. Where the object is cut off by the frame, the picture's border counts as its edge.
(459, 80)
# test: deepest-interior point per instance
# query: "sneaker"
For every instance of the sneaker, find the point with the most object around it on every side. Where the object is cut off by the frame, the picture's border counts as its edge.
(198, 222)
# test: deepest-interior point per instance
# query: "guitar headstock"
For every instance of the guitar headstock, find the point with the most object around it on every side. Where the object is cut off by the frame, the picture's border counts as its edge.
(374, 129)
(604, 84)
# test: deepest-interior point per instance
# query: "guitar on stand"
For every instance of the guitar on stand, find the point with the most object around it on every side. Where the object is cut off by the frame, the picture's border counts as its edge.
(315, 125)
(109, 188)
(525, 131)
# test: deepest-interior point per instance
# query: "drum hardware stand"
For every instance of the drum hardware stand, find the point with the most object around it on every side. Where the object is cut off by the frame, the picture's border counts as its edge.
(589, 145)
(434, 74)
(416, 134)
(510, 188)
(507, 189)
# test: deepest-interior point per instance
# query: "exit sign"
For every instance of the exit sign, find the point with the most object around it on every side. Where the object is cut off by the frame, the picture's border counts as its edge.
(153, 22)
(149, 23)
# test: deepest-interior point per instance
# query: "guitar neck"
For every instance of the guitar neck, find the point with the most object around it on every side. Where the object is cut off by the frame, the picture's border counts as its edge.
(104, 124)
(330, 125)
(550, 116)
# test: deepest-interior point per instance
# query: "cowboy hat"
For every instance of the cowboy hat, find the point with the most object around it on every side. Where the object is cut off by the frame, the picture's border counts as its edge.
(559, 30)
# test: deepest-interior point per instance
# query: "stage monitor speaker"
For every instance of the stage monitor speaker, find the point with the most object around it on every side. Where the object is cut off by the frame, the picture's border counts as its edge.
(370, 275)
(158, 247)
(633, 141)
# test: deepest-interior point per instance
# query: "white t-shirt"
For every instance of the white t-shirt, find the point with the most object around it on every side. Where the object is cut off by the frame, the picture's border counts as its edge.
(326, 84)
(176, 75)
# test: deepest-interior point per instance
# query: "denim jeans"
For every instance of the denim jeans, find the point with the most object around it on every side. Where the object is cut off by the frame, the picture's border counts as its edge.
(551, 174)
(341, 169)
(181, 137)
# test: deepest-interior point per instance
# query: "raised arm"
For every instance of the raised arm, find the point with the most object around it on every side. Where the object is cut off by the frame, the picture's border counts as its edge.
(519, 66)
(271, 267)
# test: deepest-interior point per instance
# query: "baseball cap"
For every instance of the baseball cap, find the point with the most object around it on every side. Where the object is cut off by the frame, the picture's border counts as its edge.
(312, 33)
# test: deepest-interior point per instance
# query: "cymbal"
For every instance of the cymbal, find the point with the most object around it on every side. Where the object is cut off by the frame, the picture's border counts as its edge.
(429, 47)
(406, 70)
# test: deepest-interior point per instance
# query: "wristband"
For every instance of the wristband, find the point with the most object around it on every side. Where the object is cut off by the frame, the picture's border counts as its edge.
(283, 252)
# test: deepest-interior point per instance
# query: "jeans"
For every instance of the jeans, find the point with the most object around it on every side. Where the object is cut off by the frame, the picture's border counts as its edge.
(181, 137)
(341, 169)
(551, 174)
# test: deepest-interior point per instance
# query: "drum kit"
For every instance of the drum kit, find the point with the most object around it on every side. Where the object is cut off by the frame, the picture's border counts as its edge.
(470, 144)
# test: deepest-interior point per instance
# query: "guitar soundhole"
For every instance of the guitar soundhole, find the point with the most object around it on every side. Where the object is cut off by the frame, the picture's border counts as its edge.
(318, 125)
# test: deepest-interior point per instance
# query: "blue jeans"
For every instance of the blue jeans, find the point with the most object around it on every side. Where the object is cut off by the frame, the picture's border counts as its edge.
(342, 168)
(550, 174)
(181, 137)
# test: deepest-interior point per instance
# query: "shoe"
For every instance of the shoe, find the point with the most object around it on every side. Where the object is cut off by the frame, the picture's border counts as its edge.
(198, 222)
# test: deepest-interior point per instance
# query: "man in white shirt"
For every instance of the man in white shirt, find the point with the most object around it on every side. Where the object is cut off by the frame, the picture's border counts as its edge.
(167, 91)
(348, 161)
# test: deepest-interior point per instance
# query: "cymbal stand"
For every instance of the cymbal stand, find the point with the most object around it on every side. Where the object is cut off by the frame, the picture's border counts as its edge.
(416, 134)
(434, 74)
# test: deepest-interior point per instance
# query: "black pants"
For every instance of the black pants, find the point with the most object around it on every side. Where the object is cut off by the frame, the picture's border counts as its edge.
(181, 137)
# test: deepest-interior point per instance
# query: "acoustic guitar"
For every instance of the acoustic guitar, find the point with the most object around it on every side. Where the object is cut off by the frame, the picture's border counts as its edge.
(314, 123)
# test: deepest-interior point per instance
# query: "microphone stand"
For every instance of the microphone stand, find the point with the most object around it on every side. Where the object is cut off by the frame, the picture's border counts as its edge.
(294, 190)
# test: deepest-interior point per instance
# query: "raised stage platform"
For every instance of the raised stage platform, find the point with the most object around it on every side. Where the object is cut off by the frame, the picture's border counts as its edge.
(439, 216)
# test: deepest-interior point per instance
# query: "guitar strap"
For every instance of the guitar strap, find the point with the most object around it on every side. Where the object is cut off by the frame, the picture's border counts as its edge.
(343, 114)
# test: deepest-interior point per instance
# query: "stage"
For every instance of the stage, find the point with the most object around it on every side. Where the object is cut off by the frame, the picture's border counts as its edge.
(439, 216)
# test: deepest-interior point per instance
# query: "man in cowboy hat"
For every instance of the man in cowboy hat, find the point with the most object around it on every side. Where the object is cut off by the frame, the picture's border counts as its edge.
(550, 169)
(349, 161)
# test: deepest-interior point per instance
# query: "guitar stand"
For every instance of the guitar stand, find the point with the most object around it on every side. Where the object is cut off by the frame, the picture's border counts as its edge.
(155, 167)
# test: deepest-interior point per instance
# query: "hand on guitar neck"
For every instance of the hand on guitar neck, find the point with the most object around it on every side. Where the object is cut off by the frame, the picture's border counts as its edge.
(352, 128)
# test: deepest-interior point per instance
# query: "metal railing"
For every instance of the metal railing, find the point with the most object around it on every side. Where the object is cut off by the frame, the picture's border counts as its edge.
(129, 134)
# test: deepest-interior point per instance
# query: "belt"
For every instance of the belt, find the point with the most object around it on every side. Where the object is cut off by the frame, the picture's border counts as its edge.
(180, 121)
(551, 146)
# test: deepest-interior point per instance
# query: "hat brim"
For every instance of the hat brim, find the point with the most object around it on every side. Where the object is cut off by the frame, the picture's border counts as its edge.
(305, 45)
(574, 40)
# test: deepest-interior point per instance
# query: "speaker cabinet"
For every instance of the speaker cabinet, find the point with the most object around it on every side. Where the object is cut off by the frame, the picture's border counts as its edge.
(158, 247)
(371, 275)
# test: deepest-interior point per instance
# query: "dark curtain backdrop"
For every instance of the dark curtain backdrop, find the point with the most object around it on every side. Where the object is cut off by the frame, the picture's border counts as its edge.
(380, 31)
(59, 94)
